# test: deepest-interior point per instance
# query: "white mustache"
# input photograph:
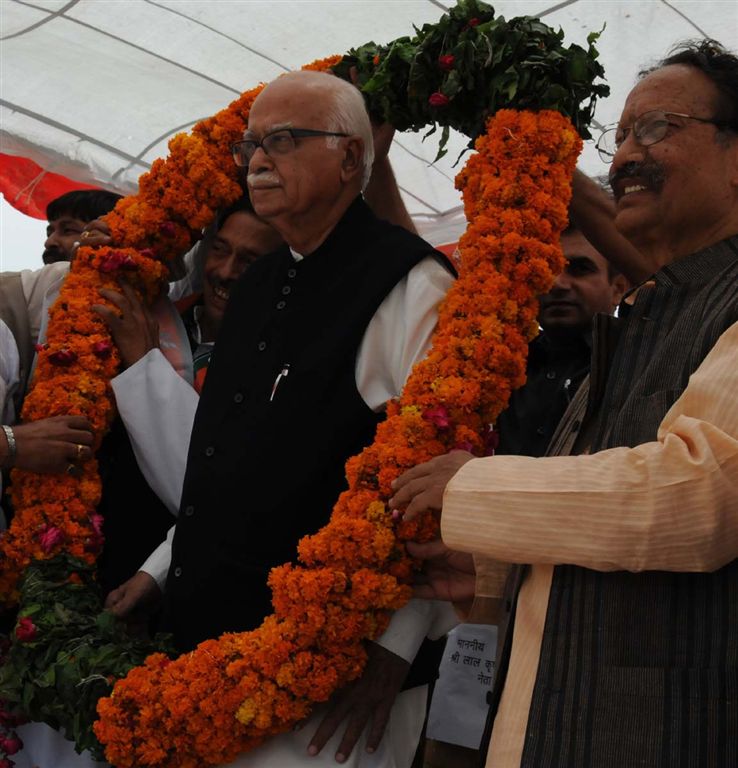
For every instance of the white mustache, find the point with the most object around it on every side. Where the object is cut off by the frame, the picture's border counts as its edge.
(259, 179)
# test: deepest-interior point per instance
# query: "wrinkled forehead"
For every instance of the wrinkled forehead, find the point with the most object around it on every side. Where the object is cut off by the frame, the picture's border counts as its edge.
(676, 88)
(287, 104)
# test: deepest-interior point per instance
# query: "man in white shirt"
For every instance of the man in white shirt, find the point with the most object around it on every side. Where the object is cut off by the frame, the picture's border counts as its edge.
(373, 291)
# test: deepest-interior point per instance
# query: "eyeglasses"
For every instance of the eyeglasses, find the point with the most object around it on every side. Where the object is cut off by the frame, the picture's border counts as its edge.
(280, 142)
(648, 128)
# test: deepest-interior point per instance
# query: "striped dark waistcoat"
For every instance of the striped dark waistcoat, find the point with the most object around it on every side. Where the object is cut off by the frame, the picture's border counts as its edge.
(641, 669)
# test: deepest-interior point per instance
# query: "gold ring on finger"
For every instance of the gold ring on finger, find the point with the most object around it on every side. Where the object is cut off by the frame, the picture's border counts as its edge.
(80, 448)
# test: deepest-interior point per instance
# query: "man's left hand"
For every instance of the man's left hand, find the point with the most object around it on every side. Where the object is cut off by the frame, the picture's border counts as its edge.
(369, 698)
(382, 133)
(421, 488)
(95, 234)
(133, 328)
(446, 575)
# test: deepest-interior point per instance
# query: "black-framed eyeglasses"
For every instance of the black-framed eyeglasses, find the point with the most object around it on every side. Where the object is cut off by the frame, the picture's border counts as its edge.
(279, 142)
(649, 128)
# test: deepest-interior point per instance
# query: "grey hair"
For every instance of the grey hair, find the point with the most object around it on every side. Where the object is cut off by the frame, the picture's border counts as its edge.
(345, 114)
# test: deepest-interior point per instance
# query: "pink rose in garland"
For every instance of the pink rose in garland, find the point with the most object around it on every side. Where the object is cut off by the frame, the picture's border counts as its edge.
(437, 99)
(63, 357)
(446, 63)
(50, 537)
(10, 745)
(26, 630)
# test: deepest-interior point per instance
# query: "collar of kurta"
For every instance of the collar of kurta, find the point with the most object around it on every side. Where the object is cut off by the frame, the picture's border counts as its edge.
(698, 268)
(356, 214)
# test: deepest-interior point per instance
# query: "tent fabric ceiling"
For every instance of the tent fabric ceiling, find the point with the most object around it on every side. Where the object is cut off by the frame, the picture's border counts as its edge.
(94, 89)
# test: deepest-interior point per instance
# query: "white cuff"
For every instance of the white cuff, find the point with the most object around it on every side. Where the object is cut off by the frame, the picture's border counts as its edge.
(157, 564)
(413, 623)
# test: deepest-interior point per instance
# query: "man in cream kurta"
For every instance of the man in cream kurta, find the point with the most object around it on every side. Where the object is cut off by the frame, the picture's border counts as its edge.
(613, 662)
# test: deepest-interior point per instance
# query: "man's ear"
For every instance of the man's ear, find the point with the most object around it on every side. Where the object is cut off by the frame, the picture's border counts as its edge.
(733, 152)
(353, 159)
(619, 286)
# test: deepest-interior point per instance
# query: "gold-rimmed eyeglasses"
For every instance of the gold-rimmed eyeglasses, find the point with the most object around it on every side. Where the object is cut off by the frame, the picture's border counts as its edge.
(649, 128)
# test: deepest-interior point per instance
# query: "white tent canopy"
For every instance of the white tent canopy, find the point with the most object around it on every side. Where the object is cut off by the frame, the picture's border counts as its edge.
(94, 89)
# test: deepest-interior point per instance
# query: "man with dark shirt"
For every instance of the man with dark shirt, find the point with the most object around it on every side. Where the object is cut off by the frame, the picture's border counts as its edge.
(559, 357)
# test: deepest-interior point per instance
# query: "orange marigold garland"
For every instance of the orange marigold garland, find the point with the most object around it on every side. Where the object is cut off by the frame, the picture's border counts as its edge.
(176, 199)
(230, 694)
(56, 533)
(56, 513)
(233, 692)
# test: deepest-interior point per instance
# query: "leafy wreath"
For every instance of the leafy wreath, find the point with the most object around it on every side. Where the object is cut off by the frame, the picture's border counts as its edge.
(523, 99)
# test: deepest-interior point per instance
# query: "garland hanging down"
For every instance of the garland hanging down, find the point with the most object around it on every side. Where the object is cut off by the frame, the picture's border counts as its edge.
(354, 571)
(233, 692)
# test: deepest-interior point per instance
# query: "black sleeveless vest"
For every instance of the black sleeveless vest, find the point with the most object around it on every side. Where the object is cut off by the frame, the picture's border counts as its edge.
(642, 668)
(278, 417)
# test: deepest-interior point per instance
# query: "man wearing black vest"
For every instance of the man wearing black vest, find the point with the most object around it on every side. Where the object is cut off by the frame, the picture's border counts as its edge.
(317, 336)
(625, 642)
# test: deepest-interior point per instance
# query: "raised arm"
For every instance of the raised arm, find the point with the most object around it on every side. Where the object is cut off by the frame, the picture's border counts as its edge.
(593, 211)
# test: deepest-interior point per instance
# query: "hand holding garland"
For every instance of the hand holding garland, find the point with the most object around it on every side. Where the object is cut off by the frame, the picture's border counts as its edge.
(47, 446)
(133, 327)
(447, 575)
(135, 600)
(421, 488)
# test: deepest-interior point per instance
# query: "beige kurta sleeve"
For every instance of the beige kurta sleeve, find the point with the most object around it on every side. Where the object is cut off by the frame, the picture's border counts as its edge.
(671, 504)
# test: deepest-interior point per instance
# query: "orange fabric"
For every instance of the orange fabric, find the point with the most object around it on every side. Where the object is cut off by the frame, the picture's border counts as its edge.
(29, 188)
(200, 379)
(448, 249)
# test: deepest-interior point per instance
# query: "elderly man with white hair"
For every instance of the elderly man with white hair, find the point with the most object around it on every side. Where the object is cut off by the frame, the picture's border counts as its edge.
(316, 338)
